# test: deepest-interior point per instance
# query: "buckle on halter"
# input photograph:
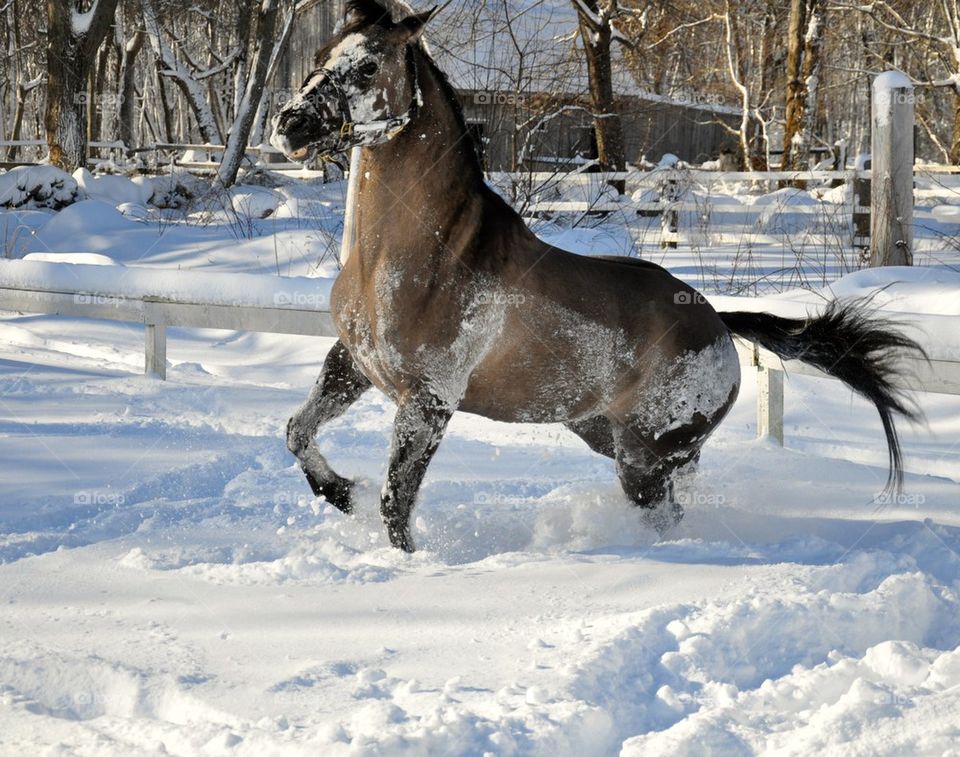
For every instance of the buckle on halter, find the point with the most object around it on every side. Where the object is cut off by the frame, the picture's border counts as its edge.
(346, 130)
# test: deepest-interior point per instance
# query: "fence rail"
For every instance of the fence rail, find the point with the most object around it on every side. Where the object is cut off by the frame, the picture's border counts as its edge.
(666, 198)
(262, 153)
(31, 294)
(940, 376)
(937, 376)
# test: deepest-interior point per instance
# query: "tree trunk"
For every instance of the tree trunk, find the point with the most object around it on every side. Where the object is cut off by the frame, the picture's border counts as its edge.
(128, 89)
(247, 112)
(263, 108)
(70, 52)
(17, 122)
(795, 86)
(166, 110)
(811, 72)
(955, 139)
(759, 142)
(607, 124)
(98, 106)
(735, 66)
(13, 53)
(244, 24)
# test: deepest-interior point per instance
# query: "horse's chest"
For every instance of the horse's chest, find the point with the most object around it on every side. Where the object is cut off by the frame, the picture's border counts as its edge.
(369, 320)
(399, 337)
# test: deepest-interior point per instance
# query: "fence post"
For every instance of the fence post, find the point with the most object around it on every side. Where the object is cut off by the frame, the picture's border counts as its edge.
(861, 210)
(769, 403)
(155, 350)
(891, 206)
(349, 211)
(670, 216)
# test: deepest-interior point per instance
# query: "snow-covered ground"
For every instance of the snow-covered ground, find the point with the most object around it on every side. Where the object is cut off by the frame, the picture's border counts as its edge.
(169, 586)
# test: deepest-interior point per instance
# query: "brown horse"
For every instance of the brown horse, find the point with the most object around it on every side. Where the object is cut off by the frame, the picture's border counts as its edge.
(448, 302)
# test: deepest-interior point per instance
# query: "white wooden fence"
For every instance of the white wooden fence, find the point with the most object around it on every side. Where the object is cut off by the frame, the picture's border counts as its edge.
(289, 317)
(202, 157)
(939, 376)
(282, 306)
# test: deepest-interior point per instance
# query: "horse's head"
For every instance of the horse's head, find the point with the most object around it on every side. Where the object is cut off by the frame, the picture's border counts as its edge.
(364, 89)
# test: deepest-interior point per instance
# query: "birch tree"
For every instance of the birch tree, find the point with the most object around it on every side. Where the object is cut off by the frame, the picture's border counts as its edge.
(171, 67)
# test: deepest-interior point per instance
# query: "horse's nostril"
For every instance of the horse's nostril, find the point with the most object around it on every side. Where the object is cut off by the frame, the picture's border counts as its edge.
(293, 122)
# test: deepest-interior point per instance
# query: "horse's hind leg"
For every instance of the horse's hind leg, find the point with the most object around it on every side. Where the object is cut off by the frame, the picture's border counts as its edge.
(340, 385)
(646, 465)
(597, 433)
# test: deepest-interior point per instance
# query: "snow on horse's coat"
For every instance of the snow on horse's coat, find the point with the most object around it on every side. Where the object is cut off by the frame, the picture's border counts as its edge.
(447, 301)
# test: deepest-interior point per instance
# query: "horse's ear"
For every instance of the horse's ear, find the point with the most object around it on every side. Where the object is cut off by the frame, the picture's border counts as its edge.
(364, 12)
(413, 26)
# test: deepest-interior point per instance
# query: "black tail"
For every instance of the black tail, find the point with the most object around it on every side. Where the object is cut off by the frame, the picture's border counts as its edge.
(850, 344)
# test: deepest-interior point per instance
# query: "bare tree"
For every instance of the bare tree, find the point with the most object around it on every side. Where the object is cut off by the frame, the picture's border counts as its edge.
(804, 44)
(170, 66)
(74, 36)
(598, 32)
(253, 91)
(935, 29)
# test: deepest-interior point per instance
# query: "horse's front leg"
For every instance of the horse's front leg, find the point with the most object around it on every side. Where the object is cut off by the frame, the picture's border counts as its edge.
(419, 425)
(340, 385)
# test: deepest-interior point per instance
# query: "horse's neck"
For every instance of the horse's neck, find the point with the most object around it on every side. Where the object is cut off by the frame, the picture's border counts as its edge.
(415, 187)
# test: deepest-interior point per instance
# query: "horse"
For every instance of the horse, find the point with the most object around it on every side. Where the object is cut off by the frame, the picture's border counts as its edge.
(447, 301)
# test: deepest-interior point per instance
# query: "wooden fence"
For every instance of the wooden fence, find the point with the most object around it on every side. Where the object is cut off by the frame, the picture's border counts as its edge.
(941, 376)
(666, 189)
(162, 155)
(157, 313)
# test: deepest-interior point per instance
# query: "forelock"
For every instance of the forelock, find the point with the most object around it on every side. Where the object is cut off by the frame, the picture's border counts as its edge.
(349, 49)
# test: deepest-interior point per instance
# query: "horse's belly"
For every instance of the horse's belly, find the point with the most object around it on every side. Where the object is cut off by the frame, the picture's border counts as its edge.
(695, 389)
(552, 366)
(563, 368)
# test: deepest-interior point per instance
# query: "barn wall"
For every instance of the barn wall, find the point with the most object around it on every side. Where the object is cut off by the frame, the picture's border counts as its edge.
(312, 29)
(650, 129)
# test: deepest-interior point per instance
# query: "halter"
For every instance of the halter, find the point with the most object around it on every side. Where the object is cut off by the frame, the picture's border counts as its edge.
(388, 127)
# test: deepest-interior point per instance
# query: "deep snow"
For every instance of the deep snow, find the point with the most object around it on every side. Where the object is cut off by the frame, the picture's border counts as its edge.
(168, 584)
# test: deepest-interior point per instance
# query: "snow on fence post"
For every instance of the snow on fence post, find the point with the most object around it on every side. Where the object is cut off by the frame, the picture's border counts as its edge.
(769, 403)
(349, 218)
(891, 206)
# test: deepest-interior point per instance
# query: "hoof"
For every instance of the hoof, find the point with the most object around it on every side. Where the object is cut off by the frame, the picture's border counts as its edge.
(400, 538)
(663, 517)
(336, 492)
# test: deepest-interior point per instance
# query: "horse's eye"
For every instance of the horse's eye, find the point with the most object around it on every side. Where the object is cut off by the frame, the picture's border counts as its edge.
(367, 68)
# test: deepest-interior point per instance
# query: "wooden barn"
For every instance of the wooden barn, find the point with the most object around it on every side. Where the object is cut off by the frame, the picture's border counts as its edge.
(522, 83)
